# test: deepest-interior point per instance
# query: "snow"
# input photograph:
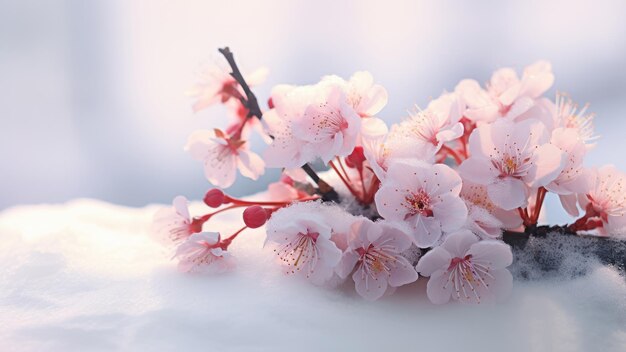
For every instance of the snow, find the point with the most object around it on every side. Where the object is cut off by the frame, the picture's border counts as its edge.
(86, 275)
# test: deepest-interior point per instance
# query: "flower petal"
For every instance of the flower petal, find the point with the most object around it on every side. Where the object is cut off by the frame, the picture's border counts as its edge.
(436, 259)
(403, 273)
(438, 288)
(495, 254)
(508, 193)
(370, 288)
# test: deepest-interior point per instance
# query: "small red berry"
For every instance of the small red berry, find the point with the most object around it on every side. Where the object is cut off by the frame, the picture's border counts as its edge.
(214, 198)
(254, 216)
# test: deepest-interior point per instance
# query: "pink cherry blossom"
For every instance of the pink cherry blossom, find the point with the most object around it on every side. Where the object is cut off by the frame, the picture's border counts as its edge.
(572, 179)
(222, 156)
(466, 269)
(606, 195)
(381, 147)
(302, 242)
(437, 124)
(373, 254)
(329, 125)
(423, 196)
(510, 158)
(203, 253)
(567, 116)
(174, 225)
(217, 85)
(506, 95)
(365, 97)
(484, 218)
(287, 149)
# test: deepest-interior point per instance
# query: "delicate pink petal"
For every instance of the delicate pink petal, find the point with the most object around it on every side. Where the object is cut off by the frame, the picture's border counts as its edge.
(395, 237)
(221, 172)
(347, 264)
(458, 243)
(451, 133)
(198, 143)
(403, 273)
(451, 211)
(180, 204)
(438, 288)
(478, 170)
(569, 201)
(427, 231)
(435, 259)
(445, 179)
(508, 193)
(370, 288)
(328, 250)
(389, 202)
(537, 79)
(519, 107)
(250, 164)
(495, 254)
(547, 165)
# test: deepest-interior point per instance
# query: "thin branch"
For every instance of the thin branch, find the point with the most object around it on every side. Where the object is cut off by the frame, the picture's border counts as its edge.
(251, 103)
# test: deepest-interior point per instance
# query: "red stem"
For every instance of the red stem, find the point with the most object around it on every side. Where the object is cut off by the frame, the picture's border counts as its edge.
(354, 193)
(226, 242)
(524, 215)
(541, 194)
(240, 202)
(453, 154)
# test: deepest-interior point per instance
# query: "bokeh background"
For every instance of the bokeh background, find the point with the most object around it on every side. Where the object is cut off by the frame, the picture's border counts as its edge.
(92, 99)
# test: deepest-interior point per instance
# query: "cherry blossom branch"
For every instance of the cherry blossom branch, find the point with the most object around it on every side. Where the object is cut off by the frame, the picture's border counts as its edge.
(251, 103)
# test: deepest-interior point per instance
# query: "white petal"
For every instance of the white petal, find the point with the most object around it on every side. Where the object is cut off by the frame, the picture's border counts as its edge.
(458, 243)
(478, 170)
(250, 164)
(508, 193)
(347, 263)
(370, 288)
(436, 259)
(496, 254)
(438, 289)
(548, 162)
(403, 273)
(451, 212)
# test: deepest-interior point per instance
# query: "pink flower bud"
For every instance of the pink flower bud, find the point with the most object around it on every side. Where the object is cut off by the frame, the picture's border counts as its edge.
(214, 198)
(254, 216)
(356, 159)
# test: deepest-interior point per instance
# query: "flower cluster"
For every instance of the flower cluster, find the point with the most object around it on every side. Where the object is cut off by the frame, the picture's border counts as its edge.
(445, 182)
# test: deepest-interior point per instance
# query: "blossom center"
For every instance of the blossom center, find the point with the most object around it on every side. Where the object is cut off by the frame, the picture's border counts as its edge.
(418, 203)
(300, 251)
(375, 261)
(466, 276)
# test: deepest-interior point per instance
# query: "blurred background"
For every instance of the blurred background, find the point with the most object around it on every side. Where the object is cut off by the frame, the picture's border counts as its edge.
(92, 99)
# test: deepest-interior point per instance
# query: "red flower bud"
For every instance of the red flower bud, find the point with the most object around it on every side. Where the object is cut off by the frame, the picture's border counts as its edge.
(254, 216)
(270, 103)
(214, 198)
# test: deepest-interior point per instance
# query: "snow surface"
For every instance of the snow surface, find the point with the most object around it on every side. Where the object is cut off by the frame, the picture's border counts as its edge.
(86, 276)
